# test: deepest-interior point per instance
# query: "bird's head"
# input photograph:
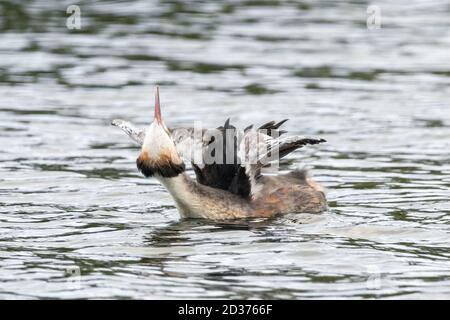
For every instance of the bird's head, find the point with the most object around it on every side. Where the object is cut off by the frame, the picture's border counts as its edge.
(159, 155)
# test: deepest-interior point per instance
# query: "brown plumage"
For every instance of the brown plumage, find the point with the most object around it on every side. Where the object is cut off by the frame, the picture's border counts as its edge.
(163, 166)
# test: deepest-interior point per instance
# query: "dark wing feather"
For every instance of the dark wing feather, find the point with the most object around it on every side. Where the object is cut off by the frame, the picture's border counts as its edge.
(289, 146)
(271, 127)
(221, 175)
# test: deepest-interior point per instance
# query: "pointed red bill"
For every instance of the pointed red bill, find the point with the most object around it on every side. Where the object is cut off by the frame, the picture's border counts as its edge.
(157, 106)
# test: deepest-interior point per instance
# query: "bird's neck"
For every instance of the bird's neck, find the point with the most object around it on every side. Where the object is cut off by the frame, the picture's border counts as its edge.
(194, 200)
(181, 189)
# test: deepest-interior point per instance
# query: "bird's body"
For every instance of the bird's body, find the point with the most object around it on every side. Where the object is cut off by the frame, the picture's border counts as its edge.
(289, 193)
(235, 187)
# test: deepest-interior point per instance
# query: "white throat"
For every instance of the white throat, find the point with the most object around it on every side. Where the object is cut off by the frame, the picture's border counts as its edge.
(180, 188)
(156, 139)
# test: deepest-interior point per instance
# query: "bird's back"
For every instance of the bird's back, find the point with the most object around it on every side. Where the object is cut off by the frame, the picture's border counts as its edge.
(293, 192)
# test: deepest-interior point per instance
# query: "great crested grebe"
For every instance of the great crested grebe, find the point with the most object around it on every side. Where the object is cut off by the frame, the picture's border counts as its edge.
(229, 190)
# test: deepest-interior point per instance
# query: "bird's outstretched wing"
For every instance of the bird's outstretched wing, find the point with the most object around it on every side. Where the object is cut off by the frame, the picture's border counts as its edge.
(250, 149)
(258, 150)
(136, 134)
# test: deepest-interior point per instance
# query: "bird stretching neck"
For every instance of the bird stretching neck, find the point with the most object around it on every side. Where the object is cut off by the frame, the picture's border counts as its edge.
(226, 190)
